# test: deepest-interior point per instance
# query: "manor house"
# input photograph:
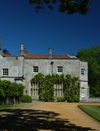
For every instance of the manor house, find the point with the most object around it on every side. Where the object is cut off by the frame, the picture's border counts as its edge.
(23, 67)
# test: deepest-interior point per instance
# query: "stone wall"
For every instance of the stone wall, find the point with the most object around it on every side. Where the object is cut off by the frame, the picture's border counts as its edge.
(14, 64)
(70, 66)
(91, 100)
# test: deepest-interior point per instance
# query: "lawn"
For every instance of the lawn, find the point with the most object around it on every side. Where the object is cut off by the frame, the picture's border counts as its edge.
(6, 106)
(92, 110)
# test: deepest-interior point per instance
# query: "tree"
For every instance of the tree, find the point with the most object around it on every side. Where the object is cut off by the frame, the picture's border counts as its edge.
(20, 91)
(2, 93)
(13, 91)
(6, 84)
(92, 56)
(71, 6)
(72, 54)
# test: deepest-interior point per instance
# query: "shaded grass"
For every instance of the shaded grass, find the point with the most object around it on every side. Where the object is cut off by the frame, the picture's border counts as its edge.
(6, 106)
(92, 110)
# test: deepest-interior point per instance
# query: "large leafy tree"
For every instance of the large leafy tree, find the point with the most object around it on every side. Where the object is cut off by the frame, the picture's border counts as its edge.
(69, 6)
(92, 55)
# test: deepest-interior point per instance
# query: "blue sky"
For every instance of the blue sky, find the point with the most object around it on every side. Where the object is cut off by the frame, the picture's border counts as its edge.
(19, 23)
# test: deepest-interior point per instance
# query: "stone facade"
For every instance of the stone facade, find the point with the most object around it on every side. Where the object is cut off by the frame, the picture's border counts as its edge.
(23, 67)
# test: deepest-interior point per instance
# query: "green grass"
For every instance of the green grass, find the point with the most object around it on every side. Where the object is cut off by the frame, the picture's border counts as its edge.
(6, 106)
(92, 110)
(18, 103)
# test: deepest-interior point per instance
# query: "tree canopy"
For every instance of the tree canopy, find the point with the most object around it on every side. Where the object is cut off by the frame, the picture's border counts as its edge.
(92, 55)
(69, 6)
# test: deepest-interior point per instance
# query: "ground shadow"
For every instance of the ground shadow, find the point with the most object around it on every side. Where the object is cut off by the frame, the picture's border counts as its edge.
(35, 120)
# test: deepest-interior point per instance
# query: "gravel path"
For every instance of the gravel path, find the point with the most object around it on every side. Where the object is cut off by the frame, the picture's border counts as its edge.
(47, 116)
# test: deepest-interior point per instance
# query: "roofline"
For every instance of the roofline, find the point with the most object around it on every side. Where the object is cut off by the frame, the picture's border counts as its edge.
(56, 58)
(12, 55)
(84, 61)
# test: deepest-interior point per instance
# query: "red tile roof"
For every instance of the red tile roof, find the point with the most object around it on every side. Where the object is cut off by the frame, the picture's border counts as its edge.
(60, 56)
(5, 52)
(46, 56)
(36, 56)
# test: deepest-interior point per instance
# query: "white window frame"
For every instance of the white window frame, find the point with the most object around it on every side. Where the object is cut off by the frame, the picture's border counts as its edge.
(34, 89)
(60, 69)
(5, 72)
(35, 69)
(82, 92)
(58, 92)
(82, 71)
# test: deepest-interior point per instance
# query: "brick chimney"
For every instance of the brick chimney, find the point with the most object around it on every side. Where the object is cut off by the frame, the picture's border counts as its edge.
(25, 51)
(5, 52)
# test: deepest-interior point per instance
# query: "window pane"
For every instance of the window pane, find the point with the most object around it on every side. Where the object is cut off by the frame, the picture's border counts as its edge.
(35, 69)
(60, 69)
(82, 71)
(59, 90)
(35, 89)
(5, 72)
(82, 92)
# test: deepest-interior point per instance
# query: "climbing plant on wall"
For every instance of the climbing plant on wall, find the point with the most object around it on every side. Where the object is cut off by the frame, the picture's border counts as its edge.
(72, 87)
(46, 84)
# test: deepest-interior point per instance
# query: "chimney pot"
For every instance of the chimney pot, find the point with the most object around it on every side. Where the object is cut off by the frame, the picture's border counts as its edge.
(22, 46)
(22, 49)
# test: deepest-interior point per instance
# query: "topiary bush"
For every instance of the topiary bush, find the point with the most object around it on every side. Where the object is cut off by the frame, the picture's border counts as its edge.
(26, 98)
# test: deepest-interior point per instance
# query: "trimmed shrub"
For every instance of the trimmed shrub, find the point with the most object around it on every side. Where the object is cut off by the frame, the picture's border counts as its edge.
(26, 98)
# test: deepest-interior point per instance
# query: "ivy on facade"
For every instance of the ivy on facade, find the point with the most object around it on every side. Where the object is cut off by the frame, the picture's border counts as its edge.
(46, 85)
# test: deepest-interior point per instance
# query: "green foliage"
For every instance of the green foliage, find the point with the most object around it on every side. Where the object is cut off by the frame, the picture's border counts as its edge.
(92, 56)
(72, 54)
(69, 6)
(20, 89)
(2, 93)
(12, 91)
(72, 88)
(61, 99)
(70, 99)
(46, 83)
(8, 89)
(26, 98)
(5, 106)
(5, 85)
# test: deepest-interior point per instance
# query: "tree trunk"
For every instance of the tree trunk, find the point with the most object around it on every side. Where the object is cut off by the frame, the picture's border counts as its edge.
(19, 99)
(14, 100)
(6, 100)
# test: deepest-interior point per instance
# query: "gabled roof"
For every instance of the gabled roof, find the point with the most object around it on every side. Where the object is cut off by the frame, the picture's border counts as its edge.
(35, 56)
